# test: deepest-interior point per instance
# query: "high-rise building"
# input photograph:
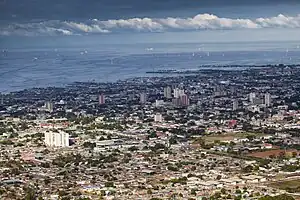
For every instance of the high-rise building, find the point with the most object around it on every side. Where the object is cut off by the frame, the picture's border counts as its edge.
(181, 92)
(101, 99)
(235, 105)
(94, 97)
(184, 100)
(258, 100)
(178, 92)
(176, 102)
(131, 97)
(57, 139)
(158, 117)
(267, 99)
(143, 98)
(49, 106)
(217, 91)
(233, 90)
(180, 98)
(2, 99)
(159, 103)
(168, 92)
(252, 97)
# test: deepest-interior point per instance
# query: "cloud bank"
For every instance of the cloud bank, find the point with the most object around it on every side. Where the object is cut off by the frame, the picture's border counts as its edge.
(199, 22)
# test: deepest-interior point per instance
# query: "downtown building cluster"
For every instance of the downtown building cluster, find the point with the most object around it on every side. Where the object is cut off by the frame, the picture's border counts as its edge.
(222, 134)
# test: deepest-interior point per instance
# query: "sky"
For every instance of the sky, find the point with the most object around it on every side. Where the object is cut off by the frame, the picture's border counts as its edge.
(115, 9)
(124, 17)
(50, 42)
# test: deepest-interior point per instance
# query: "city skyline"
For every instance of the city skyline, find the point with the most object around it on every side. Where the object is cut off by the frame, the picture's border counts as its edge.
(220, 133)
(149, 100)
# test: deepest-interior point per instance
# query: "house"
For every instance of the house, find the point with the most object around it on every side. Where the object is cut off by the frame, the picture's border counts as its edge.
(254, 179)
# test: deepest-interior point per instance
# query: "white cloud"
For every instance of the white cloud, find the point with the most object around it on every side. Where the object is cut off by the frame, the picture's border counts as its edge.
(141, 24)
(280, 21)
(199, 22)
(81, 27)
(35, 29)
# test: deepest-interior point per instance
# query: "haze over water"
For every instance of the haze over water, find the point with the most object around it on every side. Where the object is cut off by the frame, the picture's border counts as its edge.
(48, 61)
(53, 43)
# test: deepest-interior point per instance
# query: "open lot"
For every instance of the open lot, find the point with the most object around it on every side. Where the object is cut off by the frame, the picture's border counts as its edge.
(275, 152)
(285, 184)
(230, 136)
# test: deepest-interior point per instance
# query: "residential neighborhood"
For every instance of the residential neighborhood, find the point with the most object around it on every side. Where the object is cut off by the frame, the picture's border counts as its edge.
(229, 133)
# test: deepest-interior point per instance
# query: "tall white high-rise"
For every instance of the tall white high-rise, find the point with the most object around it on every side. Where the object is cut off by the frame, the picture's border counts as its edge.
(143, 98)
(168, 92)
(159, 103)
(158, 117)
(178, 92)
(49, 106)
(54, 139)
(252, 97)
(267, 99)
(235, 105)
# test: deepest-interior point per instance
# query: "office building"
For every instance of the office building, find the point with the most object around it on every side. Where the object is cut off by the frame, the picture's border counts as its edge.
(267, 100)
(159, 103)
(220, 90)
(184, 100)
(158, 117)
(101, 99)
(2, 99)
(178, 92)
(168, 92)
(49, 106)
(258, 101)
(57, 139)
(235, 105)
(94, 97)
(143, 98)
(176, 102)
(233, 90)
(131, 97)
(252, 97)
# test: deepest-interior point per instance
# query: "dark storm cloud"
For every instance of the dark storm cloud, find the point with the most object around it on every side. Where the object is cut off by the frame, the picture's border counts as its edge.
(18, 10)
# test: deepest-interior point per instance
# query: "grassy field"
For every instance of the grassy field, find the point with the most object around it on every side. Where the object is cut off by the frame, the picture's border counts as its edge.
(283, 185)
(286, 184)
(230, 136)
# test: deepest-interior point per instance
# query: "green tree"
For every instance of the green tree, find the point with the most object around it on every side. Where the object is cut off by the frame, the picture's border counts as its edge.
(149, 191)
(238, 191)
(217, 195)
(239, 197)
(133, 148)
(193, 192)
(223, 191)
(109, 184)
(279, 197)
(89, 145)
(30, 194)
(247, 169)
